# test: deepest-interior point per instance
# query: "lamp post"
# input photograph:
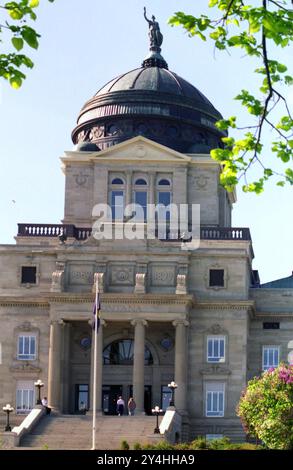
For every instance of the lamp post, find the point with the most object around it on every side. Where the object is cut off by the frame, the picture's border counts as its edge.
(39, 384)
(172, 387)
(8, 409)
(156, 411)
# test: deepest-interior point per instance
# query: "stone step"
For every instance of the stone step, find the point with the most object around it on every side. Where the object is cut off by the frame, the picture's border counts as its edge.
(74, 432)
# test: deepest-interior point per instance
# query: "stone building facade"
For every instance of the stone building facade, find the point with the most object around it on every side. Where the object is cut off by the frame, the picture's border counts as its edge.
(199, 317)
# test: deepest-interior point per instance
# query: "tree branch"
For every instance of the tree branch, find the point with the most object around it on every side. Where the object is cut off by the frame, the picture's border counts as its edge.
(278, 5)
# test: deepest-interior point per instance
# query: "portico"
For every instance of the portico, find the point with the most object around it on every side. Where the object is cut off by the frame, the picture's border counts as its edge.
(155, 330)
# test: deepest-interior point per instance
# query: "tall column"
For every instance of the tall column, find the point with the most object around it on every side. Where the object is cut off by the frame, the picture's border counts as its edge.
(100, 342)
(54, 372)
(128, 196)
(152, 180)
(65, 368)
(181, 363)
(138, 364)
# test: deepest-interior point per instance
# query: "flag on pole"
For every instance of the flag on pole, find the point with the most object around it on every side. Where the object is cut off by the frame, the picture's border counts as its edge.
(96, 310)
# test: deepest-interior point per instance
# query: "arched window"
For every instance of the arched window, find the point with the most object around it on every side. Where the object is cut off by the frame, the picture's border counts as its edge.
(117, 181)
(121, 353)
(164, 182)
(140, 182)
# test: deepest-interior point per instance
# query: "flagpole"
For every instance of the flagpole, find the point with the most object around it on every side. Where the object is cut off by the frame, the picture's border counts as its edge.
(95, 372)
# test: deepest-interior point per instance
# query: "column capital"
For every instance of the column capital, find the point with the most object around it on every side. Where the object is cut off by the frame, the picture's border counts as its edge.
(57, 322)
(180, 322)
(139, 321)
(102, 322)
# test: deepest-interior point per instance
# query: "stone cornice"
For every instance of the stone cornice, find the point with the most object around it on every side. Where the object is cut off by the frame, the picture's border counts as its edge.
(120, 298)
(23, 302)
(216, 370)
(276, 315)
(226, 304)
(25, 367)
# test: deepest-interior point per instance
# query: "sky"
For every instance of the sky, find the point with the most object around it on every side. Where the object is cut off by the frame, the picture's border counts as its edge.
(85, 44)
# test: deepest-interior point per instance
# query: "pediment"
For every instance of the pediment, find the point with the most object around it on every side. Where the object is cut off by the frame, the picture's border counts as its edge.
(140, 149)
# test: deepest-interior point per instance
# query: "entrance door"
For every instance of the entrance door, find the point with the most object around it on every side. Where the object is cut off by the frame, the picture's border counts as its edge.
(81, 398)
(110, 397)
(147, 398)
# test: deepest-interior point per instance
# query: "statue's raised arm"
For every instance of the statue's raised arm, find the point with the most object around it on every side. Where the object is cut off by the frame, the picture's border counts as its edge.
(144, 11)
(155, 35)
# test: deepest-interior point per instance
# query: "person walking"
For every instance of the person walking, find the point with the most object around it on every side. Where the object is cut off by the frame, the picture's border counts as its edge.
(131, 406)
(120, 406)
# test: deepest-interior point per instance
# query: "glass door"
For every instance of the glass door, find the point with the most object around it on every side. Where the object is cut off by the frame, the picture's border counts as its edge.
(81, 398)
(111, 393)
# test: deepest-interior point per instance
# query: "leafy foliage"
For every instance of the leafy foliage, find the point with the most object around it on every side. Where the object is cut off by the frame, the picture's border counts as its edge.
(13, 21)
(266, 407)
(202, 444)
(252, 29)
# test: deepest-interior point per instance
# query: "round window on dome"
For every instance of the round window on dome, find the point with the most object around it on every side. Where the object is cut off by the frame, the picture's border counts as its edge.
(112, 129)
(141, 129)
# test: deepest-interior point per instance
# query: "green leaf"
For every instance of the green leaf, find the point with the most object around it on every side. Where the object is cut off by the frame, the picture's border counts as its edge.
(213, 3)
(15, 13)
(30, 37)
(281, 68)
(15, 82)
(289, 175)
(18, 43)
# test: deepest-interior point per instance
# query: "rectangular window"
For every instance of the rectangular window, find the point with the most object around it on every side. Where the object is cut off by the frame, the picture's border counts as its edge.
(216, 278)
(164, 199)
(25, 397)
(212, 437)
(28, 274)
(270, 357)
(216, 349)
(26, 348)
(117, 205)
(141, 200)
(271, 326)
(215, 399)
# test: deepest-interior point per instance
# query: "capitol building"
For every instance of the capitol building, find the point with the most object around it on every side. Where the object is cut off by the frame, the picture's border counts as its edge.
(200, 317)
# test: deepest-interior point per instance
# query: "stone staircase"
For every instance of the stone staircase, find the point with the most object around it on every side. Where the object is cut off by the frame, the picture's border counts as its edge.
(75, 432)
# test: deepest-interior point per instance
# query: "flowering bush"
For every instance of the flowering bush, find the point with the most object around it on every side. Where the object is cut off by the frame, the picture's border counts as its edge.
(266, 407)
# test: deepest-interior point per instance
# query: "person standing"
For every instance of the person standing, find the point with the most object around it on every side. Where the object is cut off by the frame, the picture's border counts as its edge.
(131, 406)
(120, 406)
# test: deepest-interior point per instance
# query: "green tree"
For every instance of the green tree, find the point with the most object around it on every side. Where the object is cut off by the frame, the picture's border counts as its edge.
(260, 30)
(266, 407)
(14, 26)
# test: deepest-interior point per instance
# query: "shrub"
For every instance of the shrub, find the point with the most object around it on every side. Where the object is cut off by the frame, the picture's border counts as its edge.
(124, 445)
(266, 407)
(199, 443)
(137, 446)
(219, 444)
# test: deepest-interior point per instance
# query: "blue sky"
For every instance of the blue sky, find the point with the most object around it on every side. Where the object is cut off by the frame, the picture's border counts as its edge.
(84, 44)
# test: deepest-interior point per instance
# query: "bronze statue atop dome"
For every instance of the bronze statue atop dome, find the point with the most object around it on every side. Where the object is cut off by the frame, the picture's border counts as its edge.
(155, 35)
